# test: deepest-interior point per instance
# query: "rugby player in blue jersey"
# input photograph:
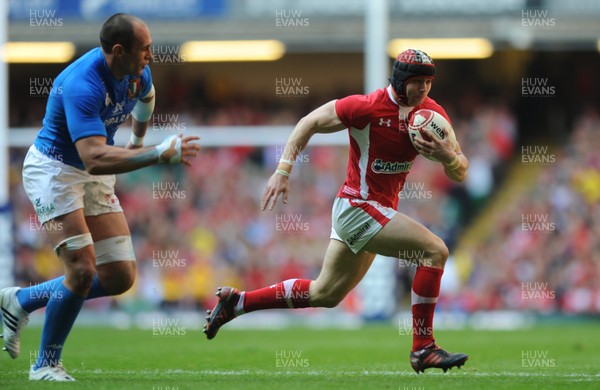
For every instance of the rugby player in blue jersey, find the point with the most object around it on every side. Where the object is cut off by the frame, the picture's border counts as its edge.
(68, 175)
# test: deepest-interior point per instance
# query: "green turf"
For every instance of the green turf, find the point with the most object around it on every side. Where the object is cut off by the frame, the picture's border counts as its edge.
(375, 357)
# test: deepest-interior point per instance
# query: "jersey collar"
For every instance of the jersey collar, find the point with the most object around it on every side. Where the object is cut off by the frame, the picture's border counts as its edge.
(390, 92)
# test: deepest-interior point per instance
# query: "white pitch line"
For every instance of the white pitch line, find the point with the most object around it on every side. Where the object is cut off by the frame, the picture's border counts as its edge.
(330, 373)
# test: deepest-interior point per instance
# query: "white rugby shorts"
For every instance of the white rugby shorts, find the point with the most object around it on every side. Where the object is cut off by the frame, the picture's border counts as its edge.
(356, 221)
(56, 189)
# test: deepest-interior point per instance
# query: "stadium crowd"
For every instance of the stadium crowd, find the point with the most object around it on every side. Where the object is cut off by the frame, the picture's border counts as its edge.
(544, 251)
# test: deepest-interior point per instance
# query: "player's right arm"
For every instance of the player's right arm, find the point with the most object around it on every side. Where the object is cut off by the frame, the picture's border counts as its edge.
(82, 104)
(322, 120)
(102, 159)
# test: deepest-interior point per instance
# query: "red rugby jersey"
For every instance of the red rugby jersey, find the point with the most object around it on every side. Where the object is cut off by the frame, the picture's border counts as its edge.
(381, 153)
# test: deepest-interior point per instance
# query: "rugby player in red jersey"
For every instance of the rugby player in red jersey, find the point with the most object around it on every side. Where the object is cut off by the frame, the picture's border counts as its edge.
(365, 220)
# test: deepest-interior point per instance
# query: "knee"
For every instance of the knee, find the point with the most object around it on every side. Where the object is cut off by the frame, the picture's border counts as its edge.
(439, 253)
(81, 280)
(80, 271)
(120, 284)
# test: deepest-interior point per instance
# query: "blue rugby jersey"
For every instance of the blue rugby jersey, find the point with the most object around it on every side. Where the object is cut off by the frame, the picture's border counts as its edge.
(86, 100)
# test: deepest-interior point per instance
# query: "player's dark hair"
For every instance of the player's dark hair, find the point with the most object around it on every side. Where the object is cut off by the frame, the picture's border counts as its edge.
(118, 29)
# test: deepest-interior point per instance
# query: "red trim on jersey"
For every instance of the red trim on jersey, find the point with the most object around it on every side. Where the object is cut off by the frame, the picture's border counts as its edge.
(371, 210)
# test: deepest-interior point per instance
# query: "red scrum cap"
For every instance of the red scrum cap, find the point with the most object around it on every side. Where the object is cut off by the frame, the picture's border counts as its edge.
(410, 63)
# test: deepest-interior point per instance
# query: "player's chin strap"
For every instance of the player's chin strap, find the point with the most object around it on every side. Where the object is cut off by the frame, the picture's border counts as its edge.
(142, 112)
(395, 97)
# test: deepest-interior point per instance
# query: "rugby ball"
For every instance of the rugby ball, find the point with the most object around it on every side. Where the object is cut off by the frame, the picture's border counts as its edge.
(428, 123)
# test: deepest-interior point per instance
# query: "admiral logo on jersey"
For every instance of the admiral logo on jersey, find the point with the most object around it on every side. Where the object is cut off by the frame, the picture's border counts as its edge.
(387, 167)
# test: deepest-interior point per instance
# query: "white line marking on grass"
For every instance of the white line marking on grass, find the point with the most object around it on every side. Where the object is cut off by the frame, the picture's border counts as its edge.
(333, 373)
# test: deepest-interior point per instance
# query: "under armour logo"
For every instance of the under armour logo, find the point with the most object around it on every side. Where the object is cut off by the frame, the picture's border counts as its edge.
(387, 122)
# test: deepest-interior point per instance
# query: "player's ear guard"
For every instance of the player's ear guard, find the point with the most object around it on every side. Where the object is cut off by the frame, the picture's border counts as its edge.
(410, 63)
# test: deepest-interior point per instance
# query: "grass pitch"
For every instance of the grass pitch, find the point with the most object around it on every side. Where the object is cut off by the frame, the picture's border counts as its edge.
(375, 357)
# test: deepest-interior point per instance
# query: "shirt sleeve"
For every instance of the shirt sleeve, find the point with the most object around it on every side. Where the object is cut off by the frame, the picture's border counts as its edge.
(82, 112)
(353, 111)
(146, 81)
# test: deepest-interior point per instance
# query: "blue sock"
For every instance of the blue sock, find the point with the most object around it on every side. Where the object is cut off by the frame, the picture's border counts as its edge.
(96, 291)
(61, 311)
(37, 296)
(34, 297)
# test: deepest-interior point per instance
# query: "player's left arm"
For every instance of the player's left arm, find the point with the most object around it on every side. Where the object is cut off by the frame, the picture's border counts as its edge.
(456, 168)
(142, 113)
(140, 117)
(454, 161)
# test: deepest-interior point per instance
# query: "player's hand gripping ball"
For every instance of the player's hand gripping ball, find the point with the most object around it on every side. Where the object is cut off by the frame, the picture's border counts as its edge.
(428, 123)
